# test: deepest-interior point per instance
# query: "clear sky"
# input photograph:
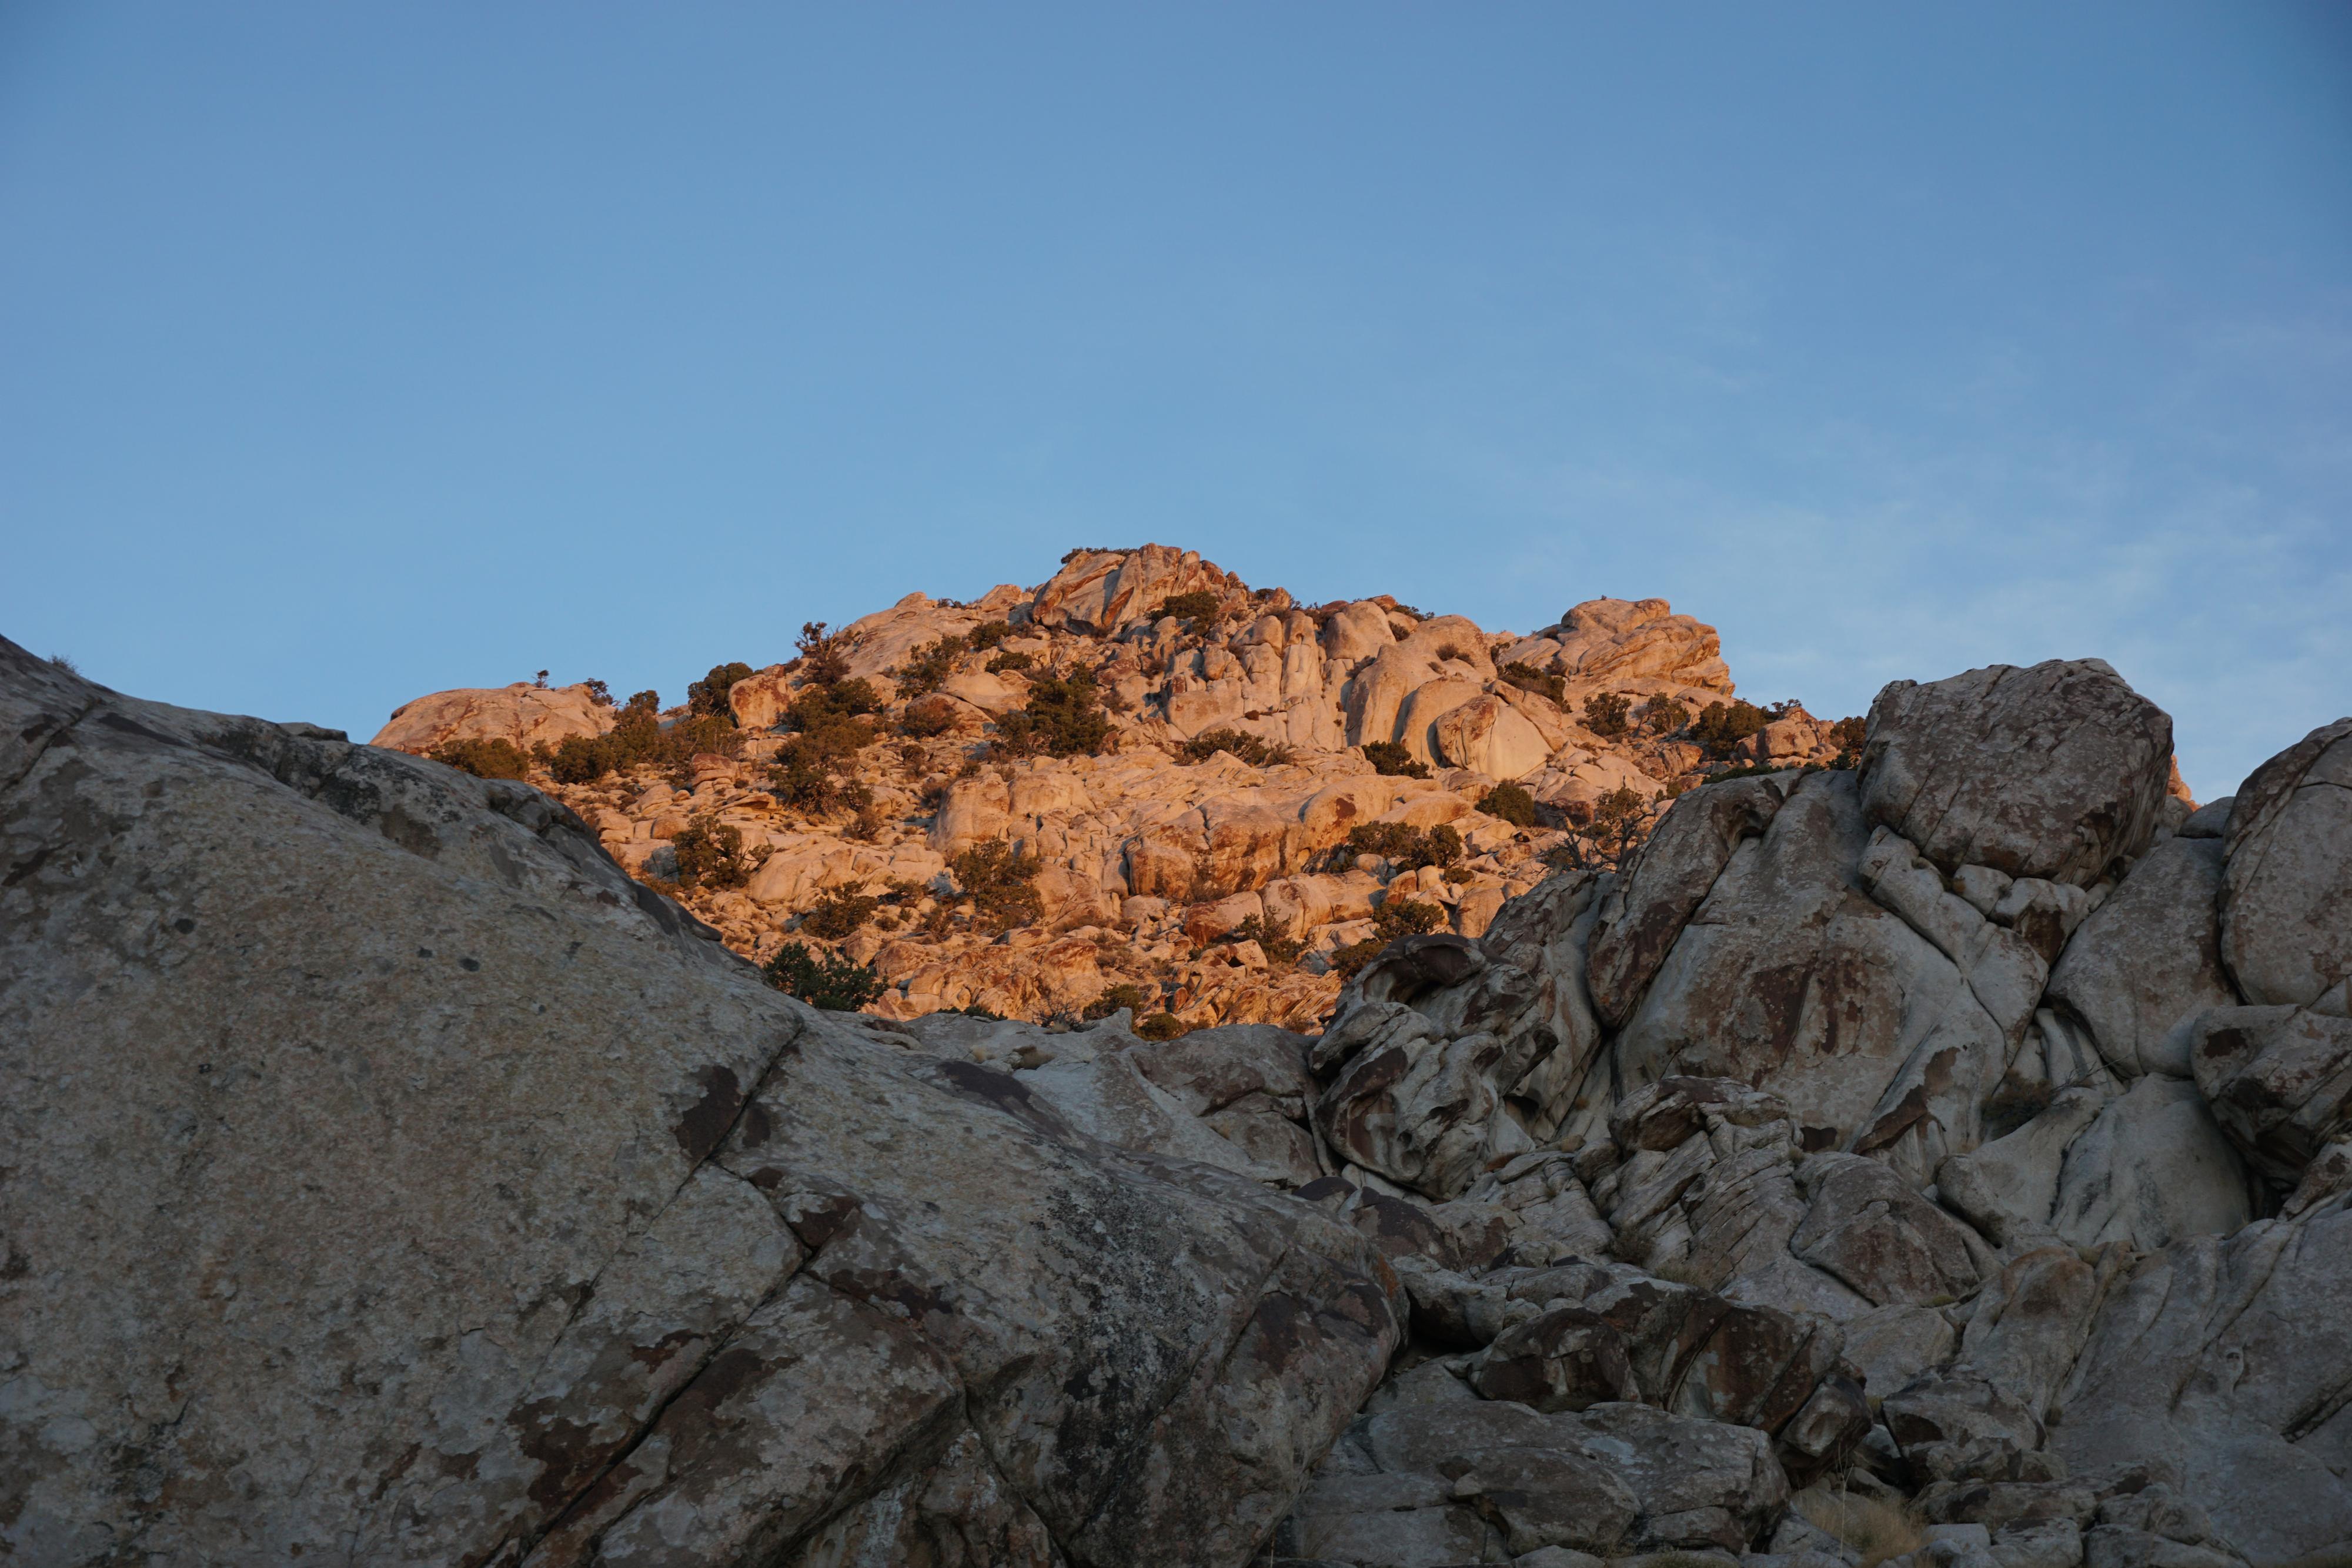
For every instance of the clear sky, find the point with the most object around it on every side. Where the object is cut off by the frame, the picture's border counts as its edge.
(352, 351)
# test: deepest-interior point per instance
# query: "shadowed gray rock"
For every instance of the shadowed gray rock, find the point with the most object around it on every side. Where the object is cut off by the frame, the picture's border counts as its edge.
(390, 1177)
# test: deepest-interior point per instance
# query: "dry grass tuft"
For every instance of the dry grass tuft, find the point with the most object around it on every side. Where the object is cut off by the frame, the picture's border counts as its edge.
(1877, 1529)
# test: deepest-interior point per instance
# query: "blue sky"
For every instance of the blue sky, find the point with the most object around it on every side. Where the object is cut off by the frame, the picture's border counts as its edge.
(350, 353)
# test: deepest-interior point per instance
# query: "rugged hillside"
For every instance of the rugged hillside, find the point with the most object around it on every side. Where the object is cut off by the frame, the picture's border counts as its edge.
(1944, 1161)
(1214, 801)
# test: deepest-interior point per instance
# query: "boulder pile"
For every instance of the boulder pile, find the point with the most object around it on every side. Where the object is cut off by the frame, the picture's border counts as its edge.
(1943, 1160)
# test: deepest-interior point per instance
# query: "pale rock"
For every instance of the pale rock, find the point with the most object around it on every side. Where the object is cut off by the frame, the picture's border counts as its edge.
(1106, 591)
(1871, 1229)
(1488, 735)
(2148, 961)
(2286, 899)
(524, 714)
(2054, 771)
(2008, 1188)
(2152, 1169)
(2279, 1082)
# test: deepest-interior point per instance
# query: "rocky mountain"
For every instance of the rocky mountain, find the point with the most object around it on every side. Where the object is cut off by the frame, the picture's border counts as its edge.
(1943, 1160)
(1245, 799)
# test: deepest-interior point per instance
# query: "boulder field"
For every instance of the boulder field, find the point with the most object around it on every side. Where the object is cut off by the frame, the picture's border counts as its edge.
(1944, 1159)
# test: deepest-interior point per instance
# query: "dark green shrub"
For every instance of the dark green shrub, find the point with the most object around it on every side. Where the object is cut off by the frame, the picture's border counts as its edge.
(1000, 884)
(1390, 760)
(701, 732)
(928, 666)
(708, 695)
(987, 634)
(1664, 715)
(710, 855)
(825, 655)
(814, 706)
(1604, 713)
(599, 693)
(1013, 660)
(1850, 733)
(1527, 678)
(1250, 749)
(1404, 848)
(1406, 917)
(1064, 718)
(1344, 961)
(1723, 725)
(1162, 1025)
(1134, 998)
(1281, 952)
(928, 718)
(826, 981)
(838, 913)
(581, 759)
(485, 759)
(1510, 804)
(1198, 605)
(1453, 650)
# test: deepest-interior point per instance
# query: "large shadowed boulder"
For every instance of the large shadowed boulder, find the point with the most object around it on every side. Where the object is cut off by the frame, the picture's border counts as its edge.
(2054, 771)
(2225, 1362)
(2286, 900)
(390, 1177)
(2148, 960)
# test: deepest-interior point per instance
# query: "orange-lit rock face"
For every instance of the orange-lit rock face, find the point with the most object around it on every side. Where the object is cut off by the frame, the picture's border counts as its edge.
(1149, 855)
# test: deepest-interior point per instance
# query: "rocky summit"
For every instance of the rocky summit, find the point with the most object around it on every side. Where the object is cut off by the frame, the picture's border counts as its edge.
(1334, 1086)
(1198, 802)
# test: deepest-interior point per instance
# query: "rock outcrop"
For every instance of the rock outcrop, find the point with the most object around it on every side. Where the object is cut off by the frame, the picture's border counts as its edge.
(1941, 1160)
(390, 1177)
(522, 714)
(1148, 852)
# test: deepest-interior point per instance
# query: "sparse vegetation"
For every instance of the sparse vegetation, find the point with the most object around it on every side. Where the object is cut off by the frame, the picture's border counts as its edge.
(1390, 760)
(1453, 650)
(1849, 733)
(1001, 884)
(1509, 804)
(1664, 715)
(1604, 713)
(1394, 919)
(928, 717)
(839, 913)
(1723, 725)
(1877, 1529)
(1198, 605)
(987, 634)
(1404, 848)
(1608, 829)
(928, 666)
(1064, 718)
(1280, 951)
(599, 693)
(708, 695)
(485, 759)
(822, 979)
(1162, 1025)
(1134, 998)
(1527, 678)
(1012, 661)
(1253, 749)
(710, 855)
(824, 654)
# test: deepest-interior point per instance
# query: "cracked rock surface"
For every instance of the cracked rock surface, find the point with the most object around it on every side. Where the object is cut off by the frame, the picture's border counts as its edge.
(1942, 1162)
(391, 1180)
